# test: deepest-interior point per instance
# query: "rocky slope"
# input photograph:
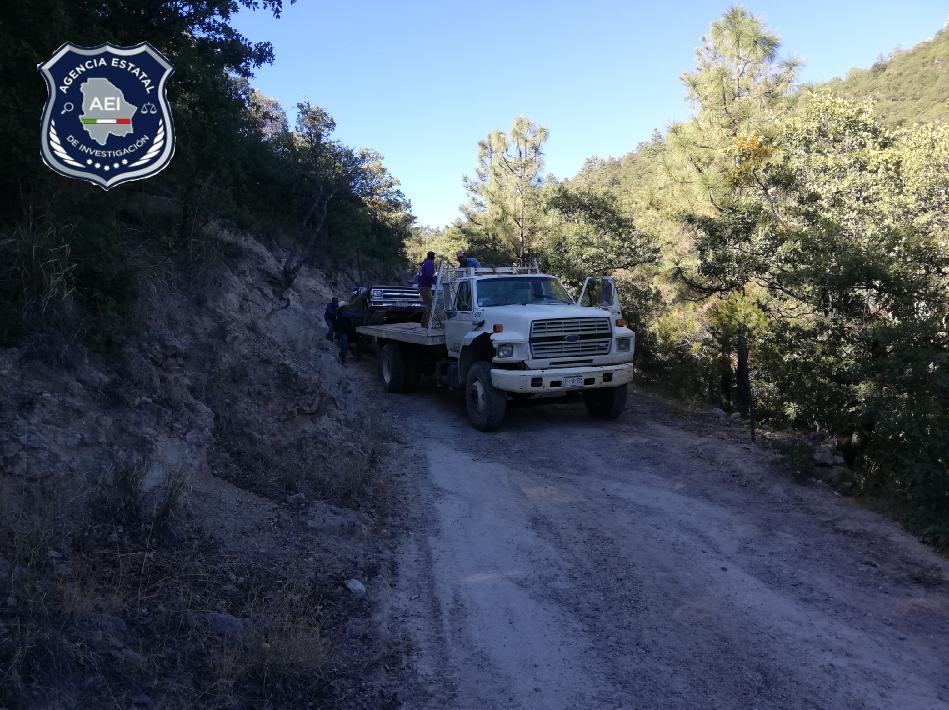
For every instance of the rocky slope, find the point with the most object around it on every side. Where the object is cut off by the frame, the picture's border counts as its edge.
(178, 520)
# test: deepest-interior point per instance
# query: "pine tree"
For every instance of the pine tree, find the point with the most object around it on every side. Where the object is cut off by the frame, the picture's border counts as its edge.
(504, 209)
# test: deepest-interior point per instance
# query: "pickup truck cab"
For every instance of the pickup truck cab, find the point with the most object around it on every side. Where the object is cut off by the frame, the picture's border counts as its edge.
(509, 334)
(370, 305)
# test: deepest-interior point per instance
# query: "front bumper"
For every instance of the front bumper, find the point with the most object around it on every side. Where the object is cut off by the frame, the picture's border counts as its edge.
(551, 381)
(395, 305)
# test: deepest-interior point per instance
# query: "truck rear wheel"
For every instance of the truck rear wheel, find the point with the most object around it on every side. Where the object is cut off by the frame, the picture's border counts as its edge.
(605, 403)
(392, 368)
(486, 405)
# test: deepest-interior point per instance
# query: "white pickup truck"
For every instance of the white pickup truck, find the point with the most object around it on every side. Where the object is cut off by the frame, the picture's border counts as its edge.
(513, 333)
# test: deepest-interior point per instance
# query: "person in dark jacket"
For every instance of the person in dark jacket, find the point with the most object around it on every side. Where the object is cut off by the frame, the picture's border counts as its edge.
(426, 279)
(345, 333)
(329, 315)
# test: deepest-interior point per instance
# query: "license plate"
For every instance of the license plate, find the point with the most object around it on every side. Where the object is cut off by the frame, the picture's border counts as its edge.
(573, 381)
(403, 304)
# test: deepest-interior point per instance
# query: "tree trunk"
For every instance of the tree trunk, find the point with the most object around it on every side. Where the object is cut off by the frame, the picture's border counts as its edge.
(743, 377)
(298, 256)
(726, 379)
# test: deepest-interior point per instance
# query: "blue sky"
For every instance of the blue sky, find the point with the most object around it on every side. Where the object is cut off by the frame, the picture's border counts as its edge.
(422, 82)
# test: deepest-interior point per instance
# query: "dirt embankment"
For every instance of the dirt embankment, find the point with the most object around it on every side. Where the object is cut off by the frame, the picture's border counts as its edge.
(178, 519)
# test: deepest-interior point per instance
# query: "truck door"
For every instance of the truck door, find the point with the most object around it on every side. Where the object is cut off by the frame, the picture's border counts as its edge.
(458, 318)
(600, 292)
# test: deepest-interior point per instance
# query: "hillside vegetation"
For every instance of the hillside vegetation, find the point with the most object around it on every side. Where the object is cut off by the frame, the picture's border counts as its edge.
(184, 486)
(910, 86)
(74, 259)
(783, 253)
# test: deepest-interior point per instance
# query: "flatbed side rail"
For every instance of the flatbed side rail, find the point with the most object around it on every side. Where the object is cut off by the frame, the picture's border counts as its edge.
(403, 333)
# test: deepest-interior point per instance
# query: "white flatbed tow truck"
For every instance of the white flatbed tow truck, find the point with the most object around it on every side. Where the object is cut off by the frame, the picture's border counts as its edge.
(512, 333)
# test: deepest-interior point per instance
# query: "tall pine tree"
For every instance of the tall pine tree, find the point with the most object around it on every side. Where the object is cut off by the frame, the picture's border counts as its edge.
(503, 214)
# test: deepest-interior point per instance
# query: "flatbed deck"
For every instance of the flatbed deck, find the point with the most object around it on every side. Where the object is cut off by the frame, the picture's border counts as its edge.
(404, 333)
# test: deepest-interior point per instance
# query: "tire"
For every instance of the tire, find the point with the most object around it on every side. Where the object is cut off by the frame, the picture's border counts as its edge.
(392, 368)
(606, 403)
(486, 405)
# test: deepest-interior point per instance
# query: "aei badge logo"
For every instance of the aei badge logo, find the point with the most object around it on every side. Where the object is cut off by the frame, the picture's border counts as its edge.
(107, 119)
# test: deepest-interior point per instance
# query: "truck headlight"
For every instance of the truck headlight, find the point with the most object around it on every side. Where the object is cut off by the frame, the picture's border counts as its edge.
(506, 350)
(376, 294)
(623, 344)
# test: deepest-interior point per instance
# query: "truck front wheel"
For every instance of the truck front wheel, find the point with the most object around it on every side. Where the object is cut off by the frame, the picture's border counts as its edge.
(606, 403)
(486, 405)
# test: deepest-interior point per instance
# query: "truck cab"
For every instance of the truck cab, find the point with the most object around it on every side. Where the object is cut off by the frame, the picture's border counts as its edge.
(529, 338)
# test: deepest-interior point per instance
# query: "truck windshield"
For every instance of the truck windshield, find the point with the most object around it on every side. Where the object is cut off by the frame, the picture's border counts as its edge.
(521, 291)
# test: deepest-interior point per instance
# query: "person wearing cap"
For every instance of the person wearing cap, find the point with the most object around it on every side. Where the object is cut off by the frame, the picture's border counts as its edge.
(426, 279)
(465, 261)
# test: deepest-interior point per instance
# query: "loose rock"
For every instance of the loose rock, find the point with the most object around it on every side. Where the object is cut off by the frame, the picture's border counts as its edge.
(356, 587)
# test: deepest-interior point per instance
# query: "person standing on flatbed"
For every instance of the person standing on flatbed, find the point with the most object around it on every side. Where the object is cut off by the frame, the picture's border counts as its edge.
(465, 261)
(426, 279)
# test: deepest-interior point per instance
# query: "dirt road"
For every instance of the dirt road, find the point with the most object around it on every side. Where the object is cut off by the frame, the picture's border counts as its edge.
(656, 561)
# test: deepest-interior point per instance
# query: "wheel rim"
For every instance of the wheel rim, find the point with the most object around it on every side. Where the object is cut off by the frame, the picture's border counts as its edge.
(386, 370)
(476, 395)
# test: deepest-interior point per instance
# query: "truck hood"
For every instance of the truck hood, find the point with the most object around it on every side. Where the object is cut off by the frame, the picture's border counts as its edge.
(535, 311)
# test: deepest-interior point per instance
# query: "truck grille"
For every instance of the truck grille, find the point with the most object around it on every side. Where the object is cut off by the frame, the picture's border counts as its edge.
(570, 336)
(398, 294)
